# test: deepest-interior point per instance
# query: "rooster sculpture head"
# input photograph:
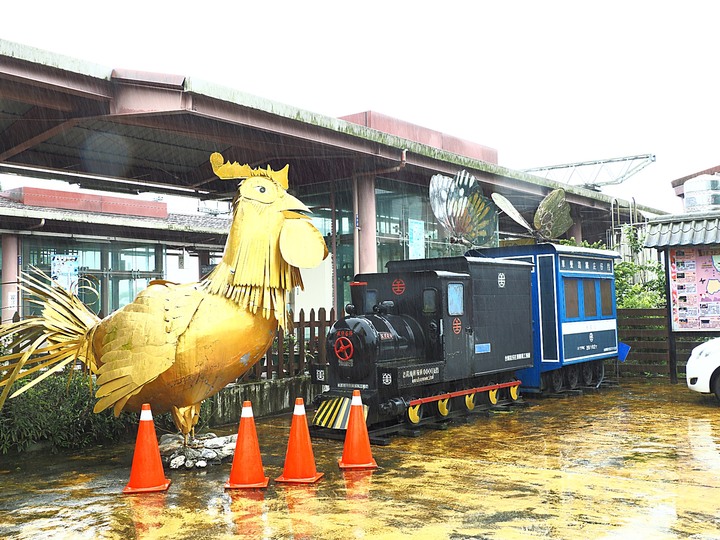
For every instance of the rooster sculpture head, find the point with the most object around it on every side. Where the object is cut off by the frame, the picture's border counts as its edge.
(269, 240)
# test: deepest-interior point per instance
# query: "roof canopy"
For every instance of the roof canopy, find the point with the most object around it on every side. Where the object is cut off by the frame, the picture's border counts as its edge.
(128, 131)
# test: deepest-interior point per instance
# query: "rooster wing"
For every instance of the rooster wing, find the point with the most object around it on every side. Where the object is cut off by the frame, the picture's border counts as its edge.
(137, 343)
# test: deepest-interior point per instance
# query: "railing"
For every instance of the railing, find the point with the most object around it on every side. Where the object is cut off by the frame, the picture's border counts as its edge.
(648, 333)
(291, 353)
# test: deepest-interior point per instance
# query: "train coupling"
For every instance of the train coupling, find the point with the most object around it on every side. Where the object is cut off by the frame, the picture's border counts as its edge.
(394, 407)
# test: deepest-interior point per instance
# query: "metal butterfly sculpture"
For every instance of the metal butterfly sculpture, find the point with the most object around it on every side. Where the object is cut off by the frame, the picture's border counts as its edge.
(459, 206)
(552, 217)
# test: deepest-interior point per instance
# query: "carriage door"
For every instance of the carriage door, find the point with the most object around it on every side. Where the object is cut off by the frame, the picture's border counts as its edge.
(457, 331)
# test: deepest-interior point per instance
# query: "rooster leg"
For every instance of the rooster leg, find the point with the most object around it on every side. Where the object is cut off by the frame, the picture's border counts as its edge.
(185, 419)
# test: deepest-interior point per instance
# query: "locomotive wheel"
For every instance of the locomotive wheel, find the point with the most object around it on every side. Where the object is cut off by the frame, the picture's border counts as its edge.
(414, 413)
(470, 401)
(599, 371)
(556, 380)
(514, 392)
(493, 396)
(443, 406)
(572, 376)
(587, 373)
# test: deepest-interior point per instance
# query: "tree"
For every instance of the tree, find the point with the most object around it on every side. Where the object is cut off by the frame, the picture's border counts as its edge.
(639, 284)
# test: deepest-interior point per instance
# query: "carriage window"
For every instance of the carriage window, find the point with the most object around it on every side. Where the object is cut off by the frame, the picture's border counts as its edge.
(455, 299)
(370, 299)
(589, 298)
(429, 301)
(572, 308)
(606, 303)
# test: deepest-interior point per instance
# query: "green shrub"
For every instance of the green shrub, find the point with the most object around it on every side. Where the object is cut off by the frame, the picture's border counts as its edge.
(59, 411)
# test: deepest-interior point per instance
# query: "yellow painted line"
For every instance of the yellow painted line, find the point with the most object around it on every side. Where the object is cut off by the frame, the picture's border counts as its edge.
(343, 403)
(324, 411)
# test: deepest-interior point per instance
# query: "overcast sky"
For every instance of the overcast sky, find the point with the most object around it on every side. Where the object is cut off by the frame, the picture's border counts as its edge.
(543, 82)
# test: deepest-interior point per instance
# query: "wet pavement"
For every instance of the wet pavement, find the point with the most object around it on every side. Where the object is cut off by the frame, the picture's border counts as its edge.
(641, 460)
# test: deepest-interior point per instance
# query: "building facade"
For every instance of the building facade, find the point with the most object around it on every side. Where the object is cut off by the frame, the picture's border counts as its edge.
(123, 132)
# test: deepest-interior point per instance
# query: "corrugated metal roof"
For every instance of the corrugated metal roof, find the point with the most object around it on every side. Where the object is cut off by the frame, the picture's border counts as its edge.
(193, 223)
(684, 230)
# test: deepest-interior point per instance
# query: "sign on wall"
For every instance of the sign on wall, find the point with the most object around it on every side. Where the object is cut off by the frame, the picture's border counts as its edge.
(695, 288)
(64, 270)
(416, 239)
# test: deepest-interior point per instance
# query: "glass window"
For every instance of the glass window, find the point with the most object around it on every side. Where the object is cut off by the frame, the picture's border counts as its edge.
(572, 308)
(396, 204)
(109, 274)
(589, 297)
(455, 299)
(606, 300)
(370, 299)
(429, 301)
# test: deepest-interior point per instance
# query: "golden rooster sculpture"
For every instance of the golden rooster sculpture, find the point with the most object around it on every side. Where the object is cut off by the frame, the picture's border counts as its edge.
(176, 345)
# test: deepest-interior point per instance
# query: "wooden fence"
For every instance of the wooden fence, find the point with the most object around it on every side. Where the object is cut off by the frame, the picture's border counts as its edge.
(291, 353)
(647, 332)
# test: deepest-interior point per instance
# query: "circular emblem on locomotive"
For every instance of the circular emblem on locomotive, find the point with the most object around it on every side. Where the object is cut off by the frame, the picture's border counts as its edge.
(398, 286)
(456, 325)
(344, 349)
(592, 338)
(387, 379)
(501, 280)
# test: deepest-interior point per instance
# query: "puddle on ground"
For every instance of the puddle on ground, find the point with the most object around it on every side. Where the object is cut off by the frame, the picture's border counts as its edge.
(639, 460)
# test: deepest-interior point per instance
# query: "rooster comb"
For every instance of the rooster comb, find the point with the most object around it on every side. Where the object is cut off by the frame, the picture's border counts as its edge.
(231, 171)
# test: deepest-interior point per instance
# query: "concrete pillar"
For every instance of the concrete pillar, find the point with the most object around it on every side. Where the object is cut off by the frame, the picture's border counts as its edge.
(203, 262)
(10, 269)
(160, 260)
(575, 231)
(366, 225)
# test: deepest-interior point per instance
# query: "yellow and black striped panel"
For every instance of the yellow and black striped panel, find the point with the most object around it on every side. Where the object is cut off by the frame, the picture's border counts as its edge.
(333, 413)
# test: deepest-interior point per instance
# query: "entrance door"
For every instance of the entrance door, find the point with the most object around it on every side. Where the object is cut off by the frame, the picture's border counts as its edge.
(457, 331)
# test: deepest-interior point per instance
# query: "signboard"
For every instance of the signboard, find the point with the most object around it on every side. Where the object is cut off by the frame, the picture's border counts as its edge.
(577, 263)
(416, 239)
(64, 270)
(695, 288)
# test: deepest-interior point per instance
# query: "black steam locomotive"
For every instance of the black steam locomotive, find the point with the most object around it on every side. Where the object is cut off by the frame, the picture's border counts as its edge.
(427, 337)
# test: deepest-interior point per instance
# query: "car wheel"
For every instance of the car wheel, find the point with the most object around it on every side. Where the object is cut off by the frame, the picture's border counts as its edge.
(716, 385)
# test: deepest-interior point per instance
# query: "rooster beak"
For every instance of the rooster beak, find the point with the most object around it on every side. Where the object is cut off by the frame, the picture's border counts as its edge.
(292, 204)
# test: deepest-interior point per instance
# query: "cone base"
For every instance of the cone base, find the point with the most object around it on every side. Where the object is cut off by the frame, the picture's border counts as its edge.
(310, 480)
(162, 487)
(262, 484)
(372, 464)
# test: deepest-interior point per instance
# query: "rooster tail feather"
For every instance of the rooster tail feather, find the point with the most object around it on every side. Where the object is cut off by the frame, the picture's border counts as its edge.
(60, 336)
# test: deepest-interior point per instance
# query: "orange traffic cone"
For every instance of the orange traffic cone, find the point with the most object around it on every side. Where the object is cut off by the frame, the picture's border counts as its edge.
(147, 471)
(356, 451)
(299, 458)
(247, 468)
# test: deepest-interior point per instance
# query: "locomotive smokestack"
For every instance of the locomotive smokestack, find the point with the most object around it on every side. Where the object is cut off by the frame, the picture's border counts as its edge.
(357, 294)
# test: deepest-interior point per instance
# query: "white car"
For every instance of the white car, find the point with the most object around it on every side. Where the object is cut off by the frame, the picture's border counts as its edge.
(703, 368)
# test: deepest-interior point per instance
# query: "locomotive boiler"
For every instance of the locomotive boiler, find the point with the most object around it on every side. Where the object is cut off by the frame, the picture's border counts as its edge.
(427, 338)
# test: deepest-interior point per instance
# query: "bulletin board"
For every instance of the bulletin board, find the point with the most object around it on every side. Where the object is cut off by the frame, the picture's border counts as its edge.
(694, 281)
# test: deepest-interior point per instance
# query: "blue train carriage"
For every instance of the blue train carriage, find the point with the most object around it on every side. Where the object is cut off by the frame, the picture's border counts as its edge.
(574, 314)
